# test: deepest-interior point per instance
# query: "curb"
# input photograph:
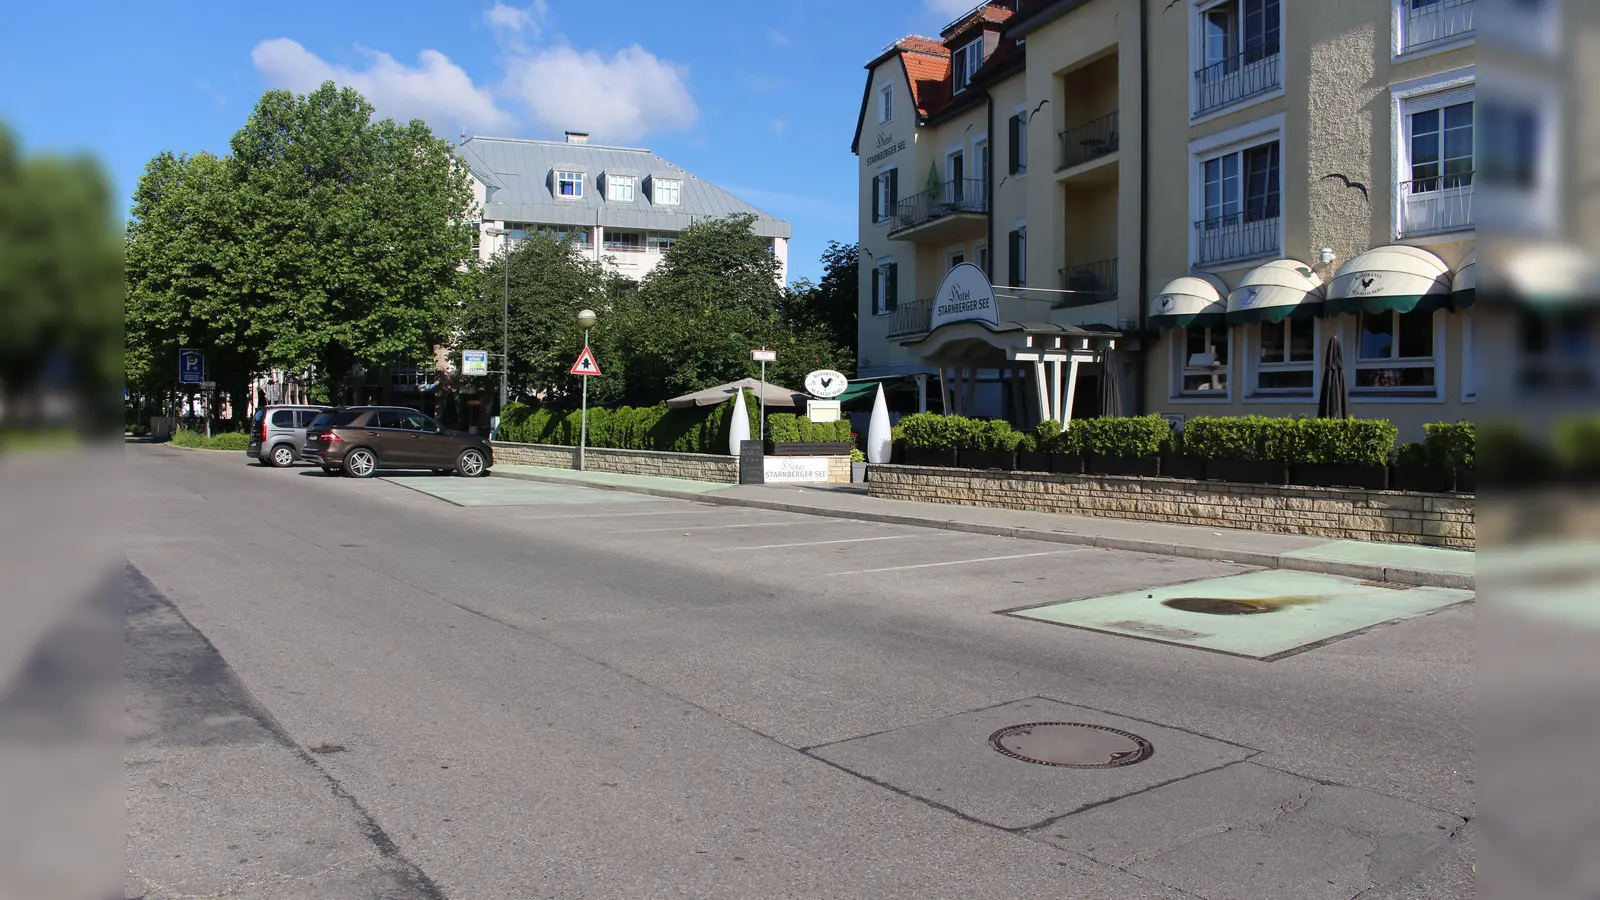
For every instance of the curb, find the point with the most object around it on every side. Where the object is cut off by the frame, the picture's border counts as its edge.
(1395, 574)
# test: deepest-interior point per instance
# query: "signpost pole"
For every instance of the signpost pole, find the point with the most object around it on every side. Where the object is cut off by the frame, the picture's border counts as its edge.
(761, 431)
(583, 431)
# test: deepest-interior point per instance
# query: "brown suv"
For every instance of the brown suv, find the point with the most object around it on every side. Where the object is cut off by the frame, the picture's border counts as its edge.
(360, 440)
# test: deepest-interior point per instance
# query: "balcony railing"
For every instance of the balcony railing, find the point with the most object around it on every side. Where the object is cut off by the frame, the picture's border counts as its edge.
(1088, 141)
(1432, 22)
(911, 320)
(1236, 236)
(961, 195)
(1237, 77)
(1436, 205)
(1089, 283)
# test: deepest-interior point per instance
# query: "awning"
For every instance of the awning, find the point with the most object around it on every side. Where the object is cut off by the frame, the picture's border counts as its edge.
(858, 389)
(1397, 277)
(1189, 300)
(1464, 284)
(712, 396)
(1550, 277)
(1274, 291)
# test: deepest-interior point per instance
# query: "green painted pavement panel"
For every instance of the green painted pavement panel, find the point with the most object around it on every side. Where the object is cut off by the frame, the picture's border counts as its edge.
(1400, 556)
(509, 492)
(1316, 607)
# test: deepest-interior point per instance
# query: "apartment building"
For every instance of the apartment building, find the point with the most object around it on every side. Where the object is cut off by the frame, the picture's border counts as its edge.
(1200, 193)
(622, 206)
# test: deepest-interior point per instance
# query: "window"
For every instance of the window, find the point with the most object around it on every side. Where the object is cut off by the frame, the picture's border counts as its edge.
(1284, 356)
(954, 258)
(955, 166)
(1426, 23)
(661, 241)
(304, 417)
(1395, 354)
(964, 64)
(886, 104)
(283, 418)
(569, 185)
(412, 421)
(1238, 53)
(386, 418)
(579, 236)
(885, 287)
(1558, 353)
(1202, 364)
(980, 168)
(668, 191)
(885, 194)
(983, 258)
(1019, 256)
(1240, 203)
(1436, 192)
(1018, 128)
(1511, 146)
(620, 187)
(624, 240)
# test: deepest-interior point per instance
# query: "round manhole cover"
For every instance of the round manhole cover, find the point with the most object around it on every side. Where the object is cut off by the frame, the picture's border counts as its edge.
(1074, 745)
(1216, 606)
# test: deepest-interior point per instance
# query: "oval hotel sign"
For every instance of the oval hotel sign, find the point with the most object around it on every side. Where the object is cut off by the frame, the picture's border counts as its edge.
(965, 295)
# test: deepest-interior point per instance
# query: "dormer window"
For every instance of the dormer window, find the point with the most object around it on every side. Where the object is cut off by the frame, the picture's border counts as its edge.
(964, 64)
(569, 184)
(620, 188)
(666, 191)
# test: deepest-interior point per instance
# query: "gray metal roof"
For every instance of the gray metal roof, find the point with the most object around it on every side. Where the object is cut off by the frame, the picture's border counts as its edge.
(519, 183)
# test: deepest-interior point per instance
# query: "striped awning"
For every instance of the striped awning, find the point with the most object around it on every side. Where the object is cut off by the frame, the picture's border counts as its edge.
(1274, 291)
(1189, 300)
(1550, 277)
(1464, 284)
(1397, 277)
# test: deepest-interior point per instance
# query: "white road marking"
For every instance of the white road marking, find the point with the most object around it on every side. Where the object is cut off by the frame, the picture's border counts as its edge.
(962, 562)
(676, 512)
(709, 527)
(892, 537)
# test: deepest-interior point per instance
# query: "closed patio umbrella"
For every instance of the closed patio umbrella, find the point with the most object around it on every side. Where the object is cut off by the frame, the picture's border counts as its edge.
(722, 393)
(1333, 402)
(1110, 387)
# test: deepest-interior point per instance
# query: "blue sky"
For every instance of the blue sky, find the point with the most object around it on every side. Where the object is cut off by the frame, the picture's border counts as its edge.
(758, 97)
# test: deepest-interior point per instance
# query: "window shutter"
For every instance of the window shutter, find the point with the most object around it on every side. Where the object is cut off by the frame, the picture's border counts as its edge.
(877, 291)
(877, 213)
(1014, 247)
(894, 192)
(892, 289)
(1013, 144)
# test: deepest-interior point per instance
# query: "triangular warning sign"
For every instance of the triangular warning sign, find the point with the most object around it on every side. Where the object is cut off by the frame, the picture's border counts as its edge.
(586, 364)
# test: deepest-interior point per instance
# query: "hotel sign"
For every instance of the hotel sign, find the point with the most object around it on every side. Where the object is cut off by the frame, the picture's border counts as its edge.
(965, 295)
(886, 147)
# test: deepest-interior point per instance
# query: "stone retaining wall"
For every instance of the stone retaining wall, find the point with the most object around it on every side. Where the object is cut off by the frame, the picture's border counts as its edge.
(1438, 520)
(693, 466)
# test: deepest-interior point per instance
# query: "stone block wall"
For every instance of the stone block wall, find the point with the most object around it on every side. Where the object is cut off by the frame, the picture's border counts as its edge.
(693, 466)
(838, 470)
(1437, 520)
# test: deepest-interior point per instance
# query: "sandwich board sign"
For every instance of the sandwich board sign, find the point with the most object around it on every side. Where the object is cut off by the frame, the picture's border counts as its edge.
(586, 364)
(474, 362)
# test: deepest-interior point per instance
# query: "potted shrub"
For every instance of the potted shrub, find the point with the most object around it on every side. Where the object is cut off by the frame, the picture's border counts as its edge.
(1030, 458)
(928, 440)
(1235, 448)
(858, 465)
(1122, 446)
(1176, 461)
(1454, 445)
(792, 435)
(1413, 471)
(1065, 447)
(1342, 453)
(988, 445)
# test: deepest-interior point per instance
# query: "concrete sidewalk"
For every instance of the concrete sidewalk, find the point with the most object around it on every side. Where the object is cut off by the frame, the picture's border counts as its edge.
(1400, 563)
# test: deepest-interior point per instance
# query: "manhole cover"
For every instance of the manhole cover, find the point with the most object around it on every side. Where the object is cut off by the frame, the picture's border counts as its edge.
(1216, 606)
(1074, 745)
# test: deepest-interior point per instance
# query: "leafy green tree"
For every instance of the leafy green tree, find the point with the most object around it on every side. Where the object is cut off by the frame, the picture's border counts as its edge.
(834, 302)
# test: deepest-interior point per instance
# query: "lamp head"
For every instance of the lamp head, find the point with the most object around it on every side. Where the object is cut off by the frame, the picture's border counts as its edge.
(587, 318)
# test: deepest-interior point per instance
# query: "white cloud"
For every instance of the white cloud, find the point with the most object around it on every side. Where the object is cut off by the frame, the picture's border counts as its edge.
(513, 24)
(437, 90)
(950, 8)
(621, 99)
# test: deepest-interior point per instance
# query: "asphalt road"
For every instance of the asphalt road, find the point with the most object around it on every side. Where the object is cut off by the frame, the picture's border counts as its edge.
(344, 688)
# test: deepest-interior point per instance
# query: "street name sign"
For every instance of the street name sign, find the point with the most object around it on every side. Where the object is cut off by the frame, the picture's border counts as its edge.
(764, 355)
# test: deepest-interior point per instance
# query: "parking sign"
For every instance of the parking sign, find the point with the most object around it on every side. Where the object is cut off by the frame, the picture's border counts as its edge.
(191, 367)
(474, 362)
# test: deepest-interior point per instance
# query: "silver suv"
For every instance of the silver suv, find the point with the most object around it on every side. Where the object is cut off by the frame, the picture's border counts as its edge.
(278, 433)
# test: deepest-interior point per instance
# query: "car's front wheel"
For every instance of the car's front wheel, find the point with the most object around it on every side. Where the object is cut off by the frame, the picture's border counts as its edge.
(283, 456)
(360, 463)
(471, 463)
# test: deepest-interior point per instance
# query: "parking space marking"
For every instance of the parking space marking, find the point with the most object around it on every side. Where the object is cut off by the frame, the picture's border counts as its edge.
(891, 537)
(709, 527)
(962, 562)
(676, 512)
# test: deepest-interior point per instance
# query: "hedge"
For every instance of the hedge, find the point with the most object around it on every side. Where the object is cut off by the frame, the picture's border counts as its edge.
(233, 440)
(1290, 440)
(1127, 436)
(694, 430)
(1452, 445)
(788, 428)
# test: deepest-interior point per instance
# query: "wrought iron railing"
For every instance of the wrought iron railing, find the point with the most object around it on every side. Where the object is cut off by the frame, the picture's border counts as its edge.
(911, 319)
(961, 195)
(1436, 205)
(1236, 236)
(1088, 283)
(1432, 22)
(1237, 77)
(1088, 141)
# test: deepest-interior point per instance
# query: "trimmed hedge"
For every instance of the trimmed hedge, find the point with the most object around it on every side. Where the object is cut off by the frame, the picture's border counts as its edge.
(1128, 436)
(788, 428)
(1453, 445)
(1296, 440)
(696, 430)
(233, 440)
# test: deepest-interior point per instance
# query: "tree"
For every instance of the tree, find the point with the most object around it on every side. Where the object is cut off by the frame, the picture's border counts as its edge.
(834, 303)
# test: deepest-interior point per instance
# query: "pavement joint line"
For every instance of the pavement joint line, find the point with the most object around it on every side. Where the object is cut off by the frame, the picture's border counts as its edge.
(1030, 830)
(958, 562)
(1403, 575)
(423, 492)
(887, 537)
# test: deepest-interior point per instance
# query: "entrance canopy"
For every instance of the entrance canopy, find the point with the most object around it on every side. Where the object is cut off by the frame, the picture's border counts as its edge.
(1397, 277)
(1274, 291)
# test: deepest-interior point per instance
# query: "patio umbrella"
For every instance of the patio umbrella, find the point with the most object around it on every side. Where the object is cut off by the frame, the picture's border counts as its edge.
(1110, 388)
(1334, 400)
(722, 393)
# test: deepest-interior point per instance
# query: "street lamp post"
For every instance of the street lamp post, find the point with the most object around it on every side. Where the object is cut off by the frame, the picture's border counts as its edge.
(586, 321)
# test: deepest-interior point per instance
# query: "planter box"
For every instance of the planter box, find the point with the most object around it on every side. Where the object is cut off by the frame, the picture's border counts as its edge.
(1372, 478)
(858, 472)
(1066, 463)
(1466, 481)
(1424, 479)
(915, 457)
(1247, 471)
(1190, 467)
(841, 448)
(989, 459)
(1031, 461)
(1142, 466)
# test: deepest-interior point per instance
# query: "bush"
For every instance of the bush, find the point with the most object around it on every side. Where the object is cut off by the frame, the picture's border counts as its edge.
(925, 431)
(1226, 437)
(233, 440)
(1412, 455)
(1027, 443)
(995, 435)
(1365, 442)
(1128, 436)
(1454, 445)
(696, 430)
(788, 428)
(856, 455)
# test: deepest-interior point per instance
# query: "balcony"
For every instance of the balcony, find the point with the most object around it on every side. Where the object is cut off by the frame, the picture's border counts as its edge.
(950, 211)
(911, 320)
(1436, 205)
(1087, 142)
(1237, 78)
(1089, 283)
(1431, 22)
(1236, 236)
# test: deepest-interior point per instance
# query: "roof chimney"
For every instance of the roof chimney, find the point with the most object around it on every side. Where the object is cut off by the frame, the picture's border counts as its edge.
(577, 137)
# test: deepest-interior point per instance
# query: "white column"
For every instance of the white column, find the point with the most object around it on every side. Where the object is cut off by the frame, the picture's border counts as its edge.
(922, 393)
(1041, 385)
(1055, 390)
(1072, 390)
(599, 241)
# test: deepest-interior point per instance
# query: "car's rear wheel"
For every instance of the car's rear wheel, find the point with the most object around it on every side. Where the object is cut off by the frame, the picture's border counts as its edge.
(360, 463)
(471, 463)
(283, 456)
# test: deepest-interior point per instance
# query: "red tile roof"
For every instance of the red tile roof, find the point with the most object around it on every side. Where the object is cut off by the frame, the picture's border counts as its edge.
(927, 65)
(988, 14)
